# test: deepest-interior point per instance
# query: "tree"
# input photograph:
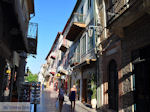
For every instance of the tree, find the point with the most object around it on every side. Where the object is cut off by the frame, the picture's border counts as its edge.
(31, 77)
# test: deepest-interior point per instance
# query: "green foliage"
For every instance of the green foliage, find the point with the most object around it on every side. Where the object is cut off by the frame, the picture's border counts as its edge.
(93, 86)
(93, 89)
(31, 77)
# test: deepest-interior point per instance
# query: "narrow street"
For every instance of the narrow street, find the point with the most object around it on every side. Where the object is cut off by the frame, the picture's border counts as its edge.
(96, 52)
(48, 101)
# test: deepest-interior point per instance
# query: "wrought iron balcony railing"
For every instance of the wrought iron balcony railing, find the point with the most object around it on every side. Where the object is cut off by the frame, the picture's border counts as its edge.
(118, 8)
(53, 55)
(62, 71)
(64, 45)
(77, 23)
(90, 54)
(79, 18)
(32, 30)
(75, 59)
(32, 38)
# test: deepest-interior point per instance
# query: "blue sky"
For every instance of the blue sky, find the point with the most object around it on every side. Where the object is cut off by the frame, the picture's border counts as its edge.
(51, 16)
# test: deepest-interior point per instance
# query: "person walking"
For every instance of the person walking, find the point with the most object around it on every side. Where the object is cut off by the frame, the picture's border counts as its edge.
(72, 97)
(61, 97)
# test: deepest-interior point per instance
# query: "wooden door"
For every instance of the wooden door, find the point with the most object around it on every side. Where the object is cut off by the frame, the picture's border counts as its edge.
(84, 91)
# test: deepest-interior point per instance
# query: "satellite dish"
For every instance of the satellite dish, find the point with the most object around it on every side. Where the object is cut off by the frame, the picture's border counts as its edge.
(90, 32)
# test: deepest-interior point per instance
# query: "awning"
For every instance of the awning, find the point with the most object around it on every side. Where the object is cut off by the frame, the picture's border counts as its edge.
(62, 71)
(84, 63)
(53, 73)
(75, 29)
(58, 75)
(53, 57)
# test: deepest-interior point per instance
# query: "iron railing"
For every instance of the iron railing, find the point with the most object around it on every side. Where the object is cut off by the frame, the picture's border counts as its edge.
(77, 18)
(32, 30)
(117, 8)
(32, 36)
(75, 59)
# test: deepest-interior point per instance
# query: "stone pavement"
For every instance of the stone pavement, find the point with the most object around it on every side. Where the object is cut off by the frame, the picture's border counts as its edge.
(48, 101)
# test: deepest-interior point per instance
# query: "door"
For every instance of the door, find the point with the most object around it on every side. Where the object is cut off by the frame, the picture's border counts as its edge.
(113, 86)
(142, 89)
(84, 91)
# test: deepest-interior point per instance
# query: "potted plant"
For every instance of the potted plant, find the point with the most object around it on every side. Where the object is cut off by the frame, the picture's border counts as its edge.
(93, 97)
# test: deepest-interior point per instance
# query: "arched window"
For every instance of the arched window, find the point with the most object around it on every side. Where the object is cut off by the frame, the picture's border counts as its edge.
(113, 85)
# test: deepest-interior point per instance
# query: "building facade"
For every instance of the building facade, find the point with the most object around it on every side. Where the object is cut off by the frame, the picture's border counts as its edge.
(124, 43)
(15, 43)
(110, 46)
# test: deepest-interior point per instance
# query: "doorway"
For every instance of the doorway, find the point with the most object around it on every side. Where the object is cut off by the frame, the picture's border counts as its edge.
(142, 81)
(84, 91)
(113, 85)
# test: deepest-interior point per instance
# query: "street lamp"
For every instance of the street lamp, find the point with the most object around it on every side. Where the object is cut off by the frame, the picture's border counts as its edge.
(27, 71)
(93, 28)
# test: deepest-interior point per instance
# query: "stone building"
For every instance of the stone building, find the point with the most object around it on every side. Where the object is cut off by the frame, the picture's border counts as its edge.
(125, 56)
(14, 44)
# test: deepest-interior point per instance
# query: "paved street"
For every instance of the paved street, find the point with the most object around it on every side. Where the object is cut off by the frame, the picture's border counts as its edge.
(48, 100)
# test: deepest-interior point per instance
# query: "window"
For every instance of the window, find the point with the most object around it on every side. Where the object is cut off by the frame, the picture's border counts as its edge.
(78, 52)
(83, 45)
(90, 43)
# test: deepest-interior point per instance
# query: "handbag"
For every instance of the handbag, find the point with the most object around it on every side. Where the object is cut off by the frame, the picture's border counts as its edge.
(57, 104)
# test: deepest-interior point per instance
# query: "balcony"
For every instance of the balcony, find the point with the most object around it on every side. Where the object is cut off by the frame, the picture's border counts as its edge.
(85, 63)
(64, 45)
(74, 61)
(52, 71)
(62, 71)
(48, 61)
(32, 38)
(53, 55)
(75, 27)
(121, 14)
(90, 54)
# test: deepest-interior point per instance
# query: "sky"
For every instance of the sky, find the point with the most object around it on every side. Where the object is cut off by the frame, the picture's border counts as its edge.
(51, 16)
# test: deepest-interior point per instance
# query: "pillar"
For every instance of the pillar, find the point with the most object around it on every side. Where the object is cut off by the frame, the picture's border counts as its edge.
(21, 71)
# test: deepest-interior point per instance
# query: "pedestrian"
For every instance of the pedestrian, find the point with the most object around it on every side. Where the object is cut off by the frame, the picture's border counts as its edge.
(61, 97)
(72, 97)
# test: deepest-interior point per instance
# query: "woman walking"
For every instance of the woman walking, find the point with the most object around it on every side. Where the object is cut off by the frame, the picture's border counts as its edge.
(61, 97)
(72, 97)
